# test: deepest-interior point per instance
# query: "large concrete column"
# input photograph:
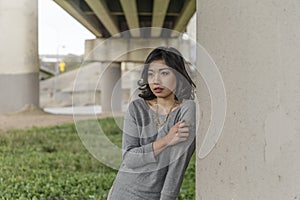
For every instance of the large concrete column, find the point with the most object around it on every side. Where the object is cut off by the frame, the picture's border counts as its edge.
(256, 46)
(19, 83)
(111, 87)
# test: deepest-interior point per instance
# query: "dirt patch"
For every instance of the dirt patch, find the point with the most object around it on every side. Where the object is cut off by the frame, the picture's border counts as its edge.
(31, 116)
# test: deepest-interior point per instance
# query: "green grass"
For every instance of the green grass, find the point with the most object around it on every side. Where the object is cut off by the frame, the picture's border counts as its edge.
(52, 163)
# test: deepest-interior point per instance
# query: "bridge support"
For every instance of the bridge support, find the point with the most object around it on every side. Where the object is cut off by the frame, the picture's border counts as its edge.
(19, 82)
(135, 76)
(110, 86)
(255, 45)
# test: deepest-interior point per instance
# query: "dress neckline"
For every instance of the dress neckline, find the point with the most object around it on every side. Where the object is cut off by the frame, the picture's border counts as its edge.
(153, 111)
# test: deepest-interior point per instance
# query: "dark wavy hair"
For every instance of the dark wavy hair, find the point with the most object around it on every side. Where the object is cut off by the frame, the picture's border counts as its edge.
(173, 59)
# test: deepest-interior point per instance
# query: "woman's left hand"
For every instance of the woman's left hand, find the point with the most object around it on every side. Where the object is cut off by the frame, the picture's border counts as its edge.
(178, 133)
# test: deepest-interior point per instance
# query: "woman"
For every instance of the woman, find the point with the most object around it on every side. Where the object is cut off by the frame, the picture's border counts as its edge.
(159, 131)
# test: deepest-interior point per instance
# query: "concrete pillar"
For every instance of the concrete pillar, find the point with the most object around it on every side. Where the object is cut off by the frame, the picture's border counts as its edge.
(256, 46)
(111, 91)
(131, 75)
(19, 83)
(135, 76)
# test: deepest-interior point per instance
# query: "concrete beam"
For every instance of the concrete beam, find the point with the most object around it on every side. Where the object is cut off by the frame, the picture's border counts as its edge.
(130, 49)
(131, 15)
(79, 16)
(185, 15)
(160, 8)
(103, 13)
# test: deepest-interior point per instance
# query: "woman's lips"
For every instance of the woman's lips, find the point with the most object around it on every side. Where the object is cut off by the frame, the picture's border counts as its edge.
(158, 90)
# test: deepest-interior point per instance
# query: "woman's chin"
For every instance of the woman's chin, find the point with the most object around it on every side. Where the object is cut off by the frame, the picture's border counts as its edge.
(162, 95)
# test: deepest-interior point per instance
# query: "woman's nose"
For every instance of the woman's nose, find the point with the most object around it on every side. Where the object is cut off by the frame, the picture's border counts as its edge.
(156, 78)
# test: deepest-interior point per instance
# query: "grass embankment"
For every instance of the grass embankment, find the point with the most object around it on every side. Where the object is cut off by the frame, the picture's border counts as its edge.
(52, 163)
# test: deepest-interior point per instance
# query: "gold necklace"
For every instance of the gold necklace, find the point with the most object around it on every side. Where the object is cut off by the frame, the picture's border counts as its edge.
(156, 120)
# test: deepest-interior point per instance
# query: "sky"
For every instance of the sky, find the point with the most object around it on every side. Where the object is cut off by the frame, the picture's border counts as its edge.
(59, 32)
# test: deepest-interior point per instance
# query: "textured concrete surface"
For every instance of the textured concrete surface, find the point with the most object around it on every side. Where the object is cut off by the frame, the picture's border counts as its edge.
(83, 85)
(255, 45)
(18, 90)
(18, 54)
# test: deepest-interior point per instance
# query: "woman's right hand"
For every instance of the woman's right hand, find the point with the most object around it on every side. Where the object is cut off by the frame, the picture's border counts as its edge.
(178, 133)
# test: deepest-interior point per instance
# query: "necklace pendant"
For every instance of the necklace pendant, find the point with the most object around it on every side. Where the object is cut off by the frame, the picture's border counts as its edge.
(159, 124)
(156, 117)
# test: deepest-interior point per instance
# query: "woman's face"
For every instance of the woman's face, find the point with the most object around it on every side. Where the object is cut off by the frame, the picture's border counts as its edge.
(161, 79)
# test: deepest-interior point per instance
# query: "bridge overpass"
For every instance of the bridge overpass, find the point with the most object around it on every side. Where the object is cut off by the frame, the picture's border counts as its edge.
(106, 18)
(123, 20)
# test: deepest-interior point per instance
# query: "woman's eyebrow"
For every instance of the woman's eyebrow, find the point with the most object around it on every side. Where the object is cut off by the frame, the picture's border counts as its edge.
(166, 68)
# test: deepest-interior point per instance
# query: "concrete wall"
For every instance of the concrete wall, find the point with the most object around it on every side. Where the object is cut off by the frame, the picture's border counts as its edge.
(19, 84)
(256, 46)
(129, 50)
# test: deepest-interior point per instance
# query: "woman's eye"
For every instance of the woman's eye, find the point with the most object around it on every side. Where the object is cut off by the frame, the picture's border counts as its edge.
(164, 73)
(150, 74)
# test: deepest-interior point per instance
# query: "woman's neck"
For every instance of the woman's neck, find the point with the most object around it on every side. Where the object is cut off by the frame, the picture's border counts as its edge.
(166, 103)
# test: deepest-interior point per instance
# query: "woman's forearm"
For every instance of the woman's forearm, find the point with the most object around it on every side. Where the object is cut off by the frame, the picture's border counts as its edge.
(160, 145)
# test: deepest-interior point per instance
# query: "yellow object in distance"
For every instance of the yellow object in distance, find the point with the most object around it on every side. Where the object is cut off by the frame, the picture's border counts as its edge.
(62, 66)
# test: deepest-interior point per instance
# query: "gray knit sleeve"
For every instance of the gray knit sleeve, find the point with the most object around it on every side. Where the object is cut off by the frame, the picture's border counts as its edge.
(181, 154)
(134, 154)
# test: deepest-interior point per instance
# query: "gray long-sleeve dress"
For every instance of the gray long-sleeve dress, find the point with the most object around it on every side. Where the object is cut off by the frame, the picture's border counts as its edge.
(142, 175)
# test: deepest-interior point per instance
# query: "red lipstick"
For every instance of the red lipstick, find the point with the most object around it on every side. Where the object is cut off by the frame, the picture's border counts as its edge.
(158, 89)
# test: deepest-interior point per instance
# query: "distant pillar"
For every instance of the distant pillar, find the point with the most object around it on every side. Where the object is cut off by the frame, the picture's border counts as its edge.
(19, 70)
(111, 92)
(135, 76)
(131, 77)
(255, 45)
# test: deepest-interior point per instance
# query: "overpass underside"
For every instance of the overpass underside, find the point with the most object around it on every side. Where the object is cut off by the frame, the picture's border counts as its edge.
(106, 18)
